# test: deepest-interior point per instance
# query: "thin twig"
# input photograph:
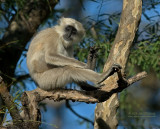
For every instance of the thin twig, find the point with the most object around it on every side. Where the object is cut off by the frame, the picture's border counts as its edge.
(74, 112)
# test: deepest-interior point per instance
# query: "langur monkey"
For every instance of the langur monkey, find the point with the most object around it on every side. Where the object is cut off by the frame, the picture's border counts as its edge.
(50, 58)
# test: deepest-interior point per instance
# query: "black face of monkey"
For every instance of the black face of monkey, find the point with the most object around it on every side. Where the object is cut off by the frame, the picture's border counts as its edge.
(70, 31)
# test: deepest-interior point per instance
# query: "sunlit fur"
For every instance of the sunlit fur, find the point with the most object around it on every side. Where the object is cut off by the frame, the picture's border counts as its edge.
(50, 58)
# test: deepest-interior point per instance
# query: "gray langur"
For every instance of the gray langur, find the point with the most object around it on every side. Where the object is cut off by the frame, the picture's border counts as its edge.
(50, 57)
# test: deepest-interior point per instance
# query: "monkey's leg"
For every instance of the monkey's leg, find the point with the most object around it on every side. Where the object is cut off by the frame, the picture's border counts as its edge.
(59, 77)
(80, 75)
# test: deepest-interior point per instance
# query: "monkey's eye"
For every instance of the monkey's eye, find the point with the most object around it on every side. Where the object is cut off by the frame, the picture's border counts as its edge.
(71, 29)
(74, 32)
(68, 28)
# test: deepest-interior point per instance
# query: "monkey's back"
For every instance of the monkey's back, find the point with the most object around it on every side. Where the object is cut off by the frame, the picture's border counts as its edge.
(36, 52)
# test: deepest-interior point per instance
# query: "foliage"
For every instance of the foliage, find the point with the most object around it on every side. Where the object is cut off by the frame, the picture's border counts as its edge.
(146, 56)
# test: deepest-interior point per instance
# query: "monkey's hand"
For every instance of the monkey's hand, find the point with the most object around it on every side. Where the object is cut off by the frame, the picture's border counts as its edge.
(114, 68)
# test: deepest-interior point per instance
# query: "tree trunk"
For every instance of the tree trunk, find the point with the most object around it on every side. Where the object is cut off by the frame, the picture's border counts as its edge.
(105, 113)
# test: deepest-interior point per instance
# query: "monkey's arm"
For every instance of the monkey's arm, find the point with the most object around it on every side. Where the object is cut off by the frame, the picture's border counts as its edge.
(60, 60)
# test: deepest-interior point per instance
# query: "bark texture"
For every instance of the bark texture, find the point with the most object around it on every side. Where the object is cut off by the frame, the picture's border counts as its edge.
(105, 113)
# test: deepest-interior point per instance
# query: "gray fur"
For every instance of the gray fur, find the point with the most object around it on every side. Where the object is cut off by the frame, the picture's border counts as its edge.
(50, 58)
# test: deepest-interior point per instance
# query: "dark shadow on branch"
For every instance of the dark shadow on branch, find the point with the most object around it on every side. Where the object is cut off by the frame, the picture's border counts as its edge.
(102, 124)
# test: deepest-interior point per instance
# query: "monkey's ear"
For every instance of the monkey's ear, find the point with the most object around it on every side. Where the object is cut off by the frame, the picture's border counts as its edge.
(60, 21)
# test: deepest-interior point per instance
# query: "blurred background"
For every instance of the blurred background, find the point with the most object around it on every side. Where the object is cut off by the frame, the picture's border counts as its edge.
(139, 104)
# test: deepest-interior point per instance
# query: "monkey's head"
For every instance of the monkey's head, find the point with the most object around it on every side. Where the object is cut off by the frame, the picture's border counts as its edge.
(70, 30)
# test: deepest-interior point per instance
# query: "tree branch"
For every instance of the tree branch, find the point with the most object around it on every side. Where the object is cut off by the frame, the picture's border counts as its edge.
(12, 108)
(30, 99)
(136, 78)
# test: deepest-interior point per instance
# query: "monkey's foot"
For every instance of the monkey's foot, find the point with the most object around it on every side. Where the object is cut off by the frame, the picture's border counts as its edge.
(115, 68)
(111, 71)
